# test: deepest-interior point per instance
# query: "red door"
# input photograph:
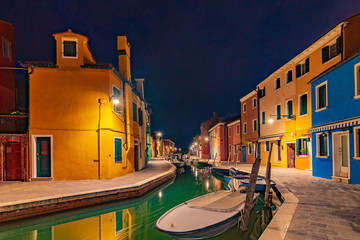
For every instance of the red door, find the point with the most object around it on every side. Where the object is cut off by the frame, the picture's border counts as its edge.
(12, 161)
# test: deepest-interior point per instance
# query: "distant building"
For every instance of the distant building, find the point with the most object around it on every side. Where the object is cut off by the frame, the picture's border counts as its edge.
(204, 143)
(249, 126)
(168, 146)
(335, 101)
(218, 142)
(234, 140)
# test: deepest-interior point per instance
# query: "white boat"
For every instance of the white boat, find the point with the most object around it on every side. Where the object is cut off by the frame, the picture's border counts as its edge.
(178, 164)
(205, 216)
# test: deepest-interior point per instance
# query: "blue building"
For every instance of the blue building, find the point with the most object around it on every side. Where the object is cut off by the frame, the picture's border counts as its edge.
(335, 101)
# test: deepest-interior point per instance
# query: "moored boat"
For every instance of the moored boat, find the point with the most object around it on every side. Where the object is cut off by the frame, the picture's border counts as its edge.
(204, 216)
(260, 184)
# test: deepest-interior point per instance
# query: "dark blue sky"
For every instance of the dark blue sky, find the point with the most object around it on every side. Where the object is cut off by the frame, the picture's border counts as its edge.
(197, 56)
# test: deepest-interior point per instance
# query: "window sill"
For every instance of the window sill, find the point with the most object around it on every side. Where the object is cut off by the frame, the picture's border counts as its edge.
(303, 156)
(356, 158)
(356, 97)
(322, 156)
(320, 109)
(303, 115)
(302, 75)
(331, 59)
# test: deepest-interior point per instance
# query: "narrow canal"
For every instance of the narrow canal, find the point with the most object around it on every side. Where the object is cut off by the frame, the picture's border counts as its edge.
(132, 219)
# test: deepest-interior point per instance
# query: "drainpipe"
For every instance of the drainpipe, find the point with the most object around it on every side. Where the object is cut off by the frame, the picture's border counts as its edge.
(98, 132)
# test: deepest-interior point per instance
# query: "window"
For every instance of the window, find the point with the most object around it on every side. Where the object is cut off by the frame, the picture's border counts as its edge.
(229, 131)
(249, 148)
(69, 48)
(278, 112)
(140, 114)
(245, 130)
(237, 129)
(332, 50)
(244, 107)
(277, 83)
(140, 150)
(357, 142)
(303, 104)
(322, 144)
(301, 146)
(302, 68)
(7, 48)
(289, 109)
(117, 150)
(263, 117)
(134, 112)
(262, 93)
(116, 94)
(357, 79)
(267, 147)
(254, 102)
(229, 149)
(321, 96)
(289, 76)
(254, 125)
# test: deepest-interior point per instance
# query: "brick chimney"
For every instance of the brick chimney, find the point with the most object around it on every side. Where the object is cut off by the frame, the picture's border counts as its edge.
(140, 86)
(123, 48)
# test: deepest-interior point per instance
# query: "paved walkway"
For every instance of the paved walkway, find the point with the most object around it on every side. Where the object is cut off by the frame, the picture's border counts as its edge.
(21, 194)
(325, 209)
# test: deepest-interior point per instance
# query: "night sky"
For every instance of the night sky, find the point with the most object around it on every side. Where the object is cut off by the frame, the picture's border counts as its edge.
(196, 56)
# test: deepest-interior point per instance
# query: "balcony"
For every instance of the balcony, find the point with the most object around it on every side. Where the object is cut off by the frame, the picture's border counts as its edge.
(13, 123)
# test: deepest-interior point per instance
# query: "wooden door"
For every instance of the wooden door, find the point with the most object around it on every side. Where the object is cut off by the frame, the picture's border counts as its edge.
(291, 155)
(12, 161)
(244, 153)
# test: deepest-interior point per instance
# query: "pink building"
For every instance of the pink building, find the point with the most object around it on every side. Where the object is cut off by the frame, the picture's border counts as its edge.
(218, 142)
(234, 140)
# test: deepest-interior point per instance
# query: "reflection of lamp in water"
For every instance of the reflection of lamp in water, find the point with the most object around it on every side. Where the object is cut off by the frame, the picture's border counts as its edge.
(196, 173)
(207, 184)
(160, 194)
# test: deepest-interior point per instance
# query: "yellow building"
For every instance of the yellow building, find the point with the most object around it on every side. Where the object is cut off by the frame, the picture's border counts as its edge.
(285, 96)
(86, 119)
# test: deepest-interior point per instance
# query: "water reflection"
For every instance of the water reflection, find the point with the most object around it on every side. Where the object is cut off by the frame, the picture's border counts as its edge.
(131, 219)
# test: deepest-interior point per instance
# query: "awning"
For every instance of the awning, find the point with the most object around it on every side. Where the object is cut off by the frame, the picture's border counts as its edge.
(336, 125)
(264, 139)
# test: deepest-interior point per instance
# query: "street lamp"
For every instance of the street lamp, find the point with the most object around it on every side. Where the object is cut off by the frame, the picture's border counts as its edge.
(159, 134)
(207, 139)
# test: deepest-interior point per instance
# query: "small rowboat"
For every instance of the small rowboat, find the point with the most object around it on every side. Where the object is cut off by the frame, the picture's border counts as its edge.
(260, 184)
(178, 164)
(205, 216)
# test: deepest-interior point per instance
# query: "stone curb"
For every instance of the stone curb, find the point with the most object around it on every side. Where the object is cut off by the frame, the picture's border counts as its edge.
(17, 209)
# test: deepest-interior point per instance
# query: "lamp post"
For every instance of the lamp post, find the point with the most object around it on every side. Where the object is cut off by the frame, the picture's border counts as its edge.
(115, 101)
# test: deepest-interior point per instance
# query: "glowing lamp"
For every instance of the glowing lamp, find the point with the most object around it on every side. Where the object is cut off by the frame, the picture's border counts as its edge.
(271, 120)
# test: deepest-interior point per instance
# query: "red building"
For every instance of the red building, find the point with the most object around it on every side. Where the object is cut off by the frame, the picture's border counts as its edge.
(234, 140)
(7, 76)
(249, 126)
(204, 144)
(168, 147)
(218, 142)
(13, 128)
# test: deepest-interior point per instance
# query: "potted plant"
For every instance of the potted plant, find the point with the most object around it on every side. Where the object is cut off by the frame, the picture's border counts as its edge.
(303, 151)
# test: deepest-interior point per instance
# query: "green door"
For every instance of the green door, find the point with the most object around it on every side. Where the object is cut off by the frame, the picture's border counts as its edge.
(43, 160)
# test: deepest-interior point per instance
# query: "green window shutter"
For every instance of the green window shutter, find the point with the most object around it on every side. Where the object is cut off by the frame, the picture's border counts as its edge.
(119, 220)
(325, 54)
(303, 104)
(339, 45)
(307, 150)
(298, 70)
(278, 112)
(289, 76)
(134, 112)
(118, 150)
(290, 108)
(298, 146)
(322, 96)
(263, 117)
(307, 65)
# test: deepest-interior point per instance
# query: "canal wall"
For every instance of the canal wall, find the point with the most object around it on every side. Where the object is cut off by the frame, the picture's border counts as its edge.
(146, 181)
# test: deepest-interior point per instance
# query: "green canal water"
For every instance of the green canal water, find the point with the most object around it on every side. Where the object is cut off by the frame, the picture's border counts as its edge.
(135, 218)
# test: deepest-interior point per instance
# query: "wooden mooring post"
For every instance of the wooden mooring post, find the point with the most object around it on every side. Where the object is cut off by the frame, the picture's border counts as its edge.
(268, 178)
(250, 191)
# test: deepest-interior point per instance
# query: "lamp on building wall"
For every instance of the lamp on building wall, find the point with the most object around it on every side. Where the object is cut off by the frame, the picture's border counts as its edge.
(291, 117)
(206, 139)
